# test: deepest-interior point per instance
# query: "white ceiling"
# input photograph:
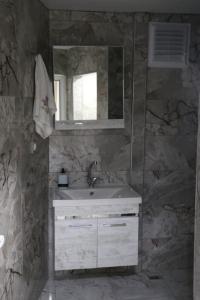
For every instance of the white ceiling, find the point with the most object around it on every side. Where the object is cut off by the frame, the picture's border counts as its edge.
(168, 6)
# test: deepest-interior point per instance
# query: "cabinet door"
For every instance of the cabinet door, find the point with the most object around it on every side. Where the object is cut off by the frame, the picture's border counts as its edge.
(75, 244)
(117, 242)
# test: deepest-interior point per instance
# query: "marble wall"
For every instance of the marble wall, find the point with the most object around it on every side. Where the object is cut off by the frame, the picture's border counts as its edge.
(75, 150)
(169, 103)
(197, 229)
(162, 154)
(195, 77)
(23, 182)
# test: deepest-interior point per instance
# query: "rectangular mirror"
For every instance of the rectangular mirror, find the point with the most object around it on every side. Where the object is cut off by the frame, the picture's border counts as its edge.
(89, 87)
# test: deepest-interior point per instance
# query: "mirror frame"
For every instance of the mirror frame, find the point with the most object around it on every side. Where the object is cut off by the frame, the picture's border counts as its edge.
(91, 124)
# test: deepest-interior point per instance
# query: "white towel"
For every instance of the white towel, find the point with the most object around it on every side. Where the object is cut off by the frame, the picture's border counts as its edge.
(44, 105)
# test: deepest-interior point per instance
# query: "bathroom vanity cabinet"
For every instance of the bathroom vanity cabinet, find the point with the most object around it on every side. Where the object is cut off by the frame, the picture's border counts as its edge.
(95, 233)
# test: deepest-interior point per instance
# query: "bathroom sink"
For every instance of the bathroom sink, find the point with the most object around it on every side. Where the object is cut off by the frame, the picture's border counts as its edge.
(91, 193)
(103, 193)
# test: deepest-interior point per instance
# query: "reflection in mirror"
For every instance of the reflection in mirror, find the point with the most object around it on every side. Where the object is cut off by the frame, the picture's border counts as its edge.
(85, 97)
(88, 82)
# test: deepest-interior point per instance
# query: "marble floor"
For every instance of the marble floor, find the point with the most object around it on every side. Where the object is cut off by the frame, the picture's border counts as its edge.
(173, 285)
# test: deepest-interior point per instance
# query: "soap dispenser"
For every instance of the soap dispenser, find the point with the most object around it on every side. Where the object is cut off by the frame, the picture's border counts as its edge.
(63, 179)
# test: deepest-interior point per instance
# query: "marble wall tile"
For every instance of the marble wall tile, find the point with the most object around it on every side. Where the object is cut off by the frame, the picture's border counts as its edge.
(7, 111)
(197, 226)
(10, 207)
(105, 177)
(168, 219)
(161, 254)
(64, 16)
(76, 153)
(170, 153)
(168, 204)
(89, 33)
(9, 81)
(31, 43)
(159, 81)
(171, 117)
(197, 241)
(141, 41)
(23, 182)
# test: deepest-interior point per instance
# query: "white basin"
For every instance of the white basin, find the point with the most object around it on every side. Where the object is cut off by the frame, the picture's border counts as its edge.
(98, 195)
(91, 193)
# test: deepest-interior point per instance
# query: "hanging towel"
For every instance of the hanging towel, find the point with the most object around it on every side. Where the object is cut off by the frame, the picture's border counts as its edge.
(44, 104)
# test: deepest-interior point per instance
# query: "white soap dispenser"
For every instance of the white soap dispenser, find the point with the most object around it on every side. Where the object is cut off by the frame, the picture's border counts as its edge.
(63, 179)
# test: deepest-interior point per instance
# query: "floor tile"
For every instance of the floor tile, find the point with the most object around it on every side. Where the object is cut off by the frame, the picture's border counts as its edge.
(181, 283)
(176, 285)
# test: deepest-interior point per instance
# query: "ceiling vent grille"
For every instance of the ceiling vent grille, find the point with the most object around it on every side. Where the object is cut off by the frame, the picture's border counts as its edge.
(168, 45)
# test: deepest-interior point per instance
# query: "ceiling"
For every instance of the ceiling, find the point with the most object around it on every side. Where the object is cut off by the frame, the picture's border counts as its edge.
(162, 6)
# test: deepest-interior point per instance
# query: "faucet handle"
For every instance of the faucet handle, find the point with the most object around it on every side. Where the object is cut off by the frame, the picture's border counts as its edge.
(91, 179)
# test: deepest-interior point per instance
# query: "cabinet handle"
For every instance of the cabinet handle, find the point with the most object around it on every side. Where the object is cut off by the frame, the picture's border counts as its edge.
(115, 225)
(81, 226)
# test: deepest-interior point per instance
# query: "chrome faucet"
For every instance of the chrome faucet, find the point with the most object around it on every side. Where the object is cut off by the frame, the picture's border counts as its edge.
(90, 179)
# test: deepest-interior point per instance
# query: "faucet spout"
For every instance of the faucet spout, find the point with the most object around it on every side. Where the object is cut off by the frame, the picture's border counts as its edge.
(91, 180)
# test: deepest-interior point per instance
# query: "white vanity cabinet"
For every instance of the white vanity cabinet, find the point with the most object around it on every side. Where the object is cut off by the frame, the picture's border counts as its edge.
(96, 233)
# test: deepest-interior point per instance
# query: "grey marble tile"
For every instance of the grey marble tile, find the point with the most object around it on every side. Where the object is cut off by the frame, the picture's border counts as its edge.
(80, 178)
(136, 180)
(141, 41)
(197, 228)
(161, 254)
(76, 153)
(9, 80)
(159, 80)
(168, 204)
(170, 153)
(132, 287)
(139, 287)
(85, 289)
(22, 229)
(171, 117)
(81, 16)
(92, 32)
(7, 110)
(168, 219)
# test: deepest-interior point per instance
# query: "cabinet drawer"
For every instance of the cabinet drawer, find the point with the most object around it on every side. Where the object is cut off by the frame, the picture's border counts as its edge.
(117, 242)
(75, 229)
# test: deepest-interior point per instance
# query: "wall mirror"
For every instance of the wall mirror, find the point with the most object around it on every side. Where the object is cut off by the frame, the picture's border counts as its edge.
(89, 87)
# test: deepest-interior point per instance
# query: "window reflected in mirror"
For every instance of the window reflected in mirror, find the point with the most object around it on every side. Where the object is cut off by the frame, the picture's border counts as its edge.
(85, 97)
(88, 83)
